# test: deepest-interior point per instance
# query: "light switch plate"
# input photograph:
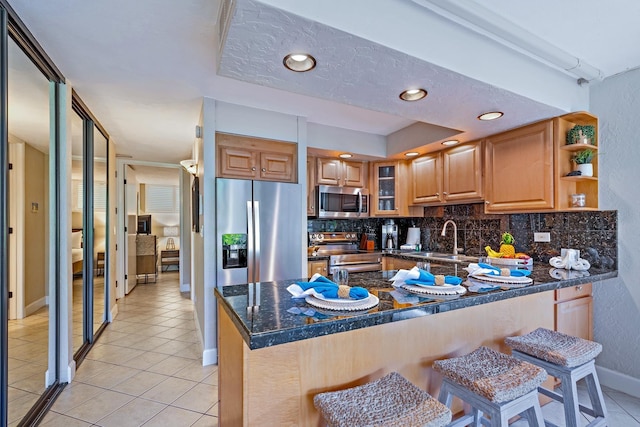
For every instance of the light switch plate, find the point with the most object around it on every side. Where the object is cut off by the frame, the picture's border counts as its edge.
(541, 237)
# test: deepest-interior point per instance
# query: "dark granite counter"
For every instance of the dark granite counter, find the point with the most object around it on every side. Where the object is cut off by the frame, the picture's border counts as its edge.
(266, 315)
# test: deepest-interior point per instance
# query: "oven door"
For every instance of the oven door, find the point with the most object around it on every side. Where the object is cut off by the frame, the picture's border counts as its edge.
(355, 263)
(342, 202)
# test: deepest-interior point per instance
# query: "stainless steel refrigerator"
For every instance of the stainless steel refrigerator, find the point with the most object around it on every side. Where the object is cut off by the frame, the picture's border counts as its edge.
(258, 231)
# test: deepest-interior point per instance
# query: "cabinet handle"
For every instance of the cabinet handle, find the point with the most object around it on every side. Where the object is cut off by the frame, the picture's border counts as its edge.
(487, 202)
(253, 168)
(579, 288)
(445, 193)
(437, 194)
(264, 170)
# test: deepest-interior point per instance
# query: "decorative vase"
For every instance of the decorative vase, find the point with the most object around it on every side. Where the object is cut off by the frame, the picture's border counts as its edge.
(585, 168)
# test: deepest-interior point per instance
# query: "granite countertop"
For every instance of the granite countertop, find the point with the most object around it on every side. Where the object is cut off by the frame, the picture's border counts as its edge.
(275, 318)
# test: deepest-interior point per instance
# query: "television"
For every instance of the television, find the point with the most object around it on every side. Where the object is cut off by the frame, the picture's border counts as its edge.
(144, 224)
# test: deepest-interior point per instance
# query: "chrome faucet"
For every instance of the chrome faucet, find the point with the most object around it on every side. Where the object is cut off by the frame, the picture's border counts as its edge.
(455, 234)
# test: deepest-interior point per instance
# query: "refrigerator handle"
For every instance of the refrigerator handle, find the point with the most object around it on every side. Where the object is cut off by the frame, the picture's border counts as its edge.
(256, 249)
(250, 242)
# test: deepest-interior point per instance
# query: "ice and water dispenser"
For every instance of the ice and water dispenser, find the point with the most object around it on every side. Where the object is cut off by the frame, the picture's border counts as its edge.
(234, 251)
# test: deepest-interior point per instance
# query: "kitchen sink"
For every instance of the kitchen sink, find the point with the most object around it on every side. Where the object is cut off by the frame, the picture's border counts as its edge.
(444, 256)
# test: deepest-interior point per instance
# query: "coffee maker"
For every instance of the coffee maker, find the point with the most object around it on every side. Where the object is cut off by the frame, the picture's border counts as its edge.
(389, 235)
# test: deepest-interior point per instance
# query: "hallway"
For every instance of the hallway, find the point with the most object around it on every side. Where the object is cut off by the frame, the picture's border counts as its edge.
(146, 368)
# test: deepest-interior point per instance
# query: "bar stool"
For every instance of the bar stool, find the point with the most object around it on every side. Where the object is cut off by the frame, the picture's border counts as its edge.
(570, 359)
(389, 401)
(494, 384)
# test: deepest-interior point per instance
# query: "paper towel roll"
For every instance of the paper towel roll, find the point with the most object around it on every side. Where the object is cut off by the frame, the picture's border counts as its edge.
(413, 236)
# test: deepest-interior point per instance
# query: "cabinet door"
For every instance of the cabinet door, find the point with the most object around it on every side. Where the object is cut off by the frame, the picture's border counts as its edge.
(311, 186)
(575, 317)
(519, 170)
(426, 181)
(277, 167)
(462, 179)
(329, 171)
(384, 194)
(319, 267)
(237, 163)
(354, 174)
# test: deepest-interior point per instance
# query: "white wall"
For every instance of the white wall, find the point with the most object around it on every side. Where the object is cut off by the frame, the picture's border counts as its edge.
(339, 139)
(616, 101)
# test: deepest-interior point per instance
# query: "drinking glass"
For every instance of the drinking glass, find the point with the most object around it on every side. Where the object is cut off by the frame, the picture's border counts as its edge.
(423, 265)
(341, 276)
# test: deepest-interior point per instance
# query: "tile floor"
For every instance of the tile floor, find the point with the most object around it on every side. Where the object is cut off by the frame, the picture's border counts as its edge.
(146, 368)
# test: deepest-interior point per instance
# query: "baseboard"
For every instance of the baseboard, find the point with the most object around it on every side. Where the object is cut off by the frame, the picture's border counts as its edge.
(35, 306)
(185, 287)
(619, 381)
(209, 356)
(113, 313)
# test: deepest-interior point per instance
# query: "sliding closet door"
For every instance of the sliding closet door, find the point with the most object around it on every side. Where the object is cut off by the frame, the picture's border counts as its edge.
(78, 237)
(100, 237)
(29, 138)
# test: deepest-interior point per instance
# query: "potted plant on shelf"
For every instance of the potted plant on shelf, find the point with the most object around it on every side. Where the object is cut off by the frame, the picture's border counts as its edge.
(583, 162)
(582, 134)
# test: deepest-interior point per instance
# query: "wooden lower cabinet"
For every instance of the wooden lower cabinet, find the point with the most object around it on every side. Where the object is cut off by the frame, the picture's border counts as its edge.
(320, 267)
(574, 311)
(390, 263)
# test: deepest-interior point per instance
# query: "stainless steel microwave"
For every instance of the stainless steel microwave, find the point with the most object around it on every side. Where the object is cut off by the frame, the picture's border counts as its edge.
(342, 202)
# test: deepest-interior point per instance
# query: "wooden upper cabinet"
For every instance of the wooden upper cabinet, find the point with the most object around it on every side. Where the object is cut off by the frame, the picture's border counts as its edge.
(389, 190)
(341, 173)
(426, 180)
(255, 158)
(519, 173)
(462, 173)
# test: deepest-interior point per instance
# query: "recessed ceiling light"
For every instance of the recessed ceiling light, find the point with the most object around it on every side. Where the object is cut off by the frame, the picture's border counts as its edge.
(492, 115)
(346, 155)
(412, 154)
(299, 62)
(450, 142)
(413, 94)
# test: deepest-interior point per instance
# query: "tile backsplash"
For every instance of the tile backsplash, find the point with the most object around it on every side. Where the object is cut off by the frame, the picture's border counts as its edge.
(594, 233)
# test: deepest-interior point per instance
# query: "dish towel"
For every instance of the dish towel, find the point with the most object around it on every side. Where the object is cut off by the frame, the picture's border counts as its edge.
(490, 270)
(320, 285)
(419, 277)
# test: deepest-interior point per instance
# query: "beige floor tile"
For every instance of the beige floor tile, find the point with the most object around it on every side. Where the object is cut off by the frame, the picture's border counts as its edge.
(171, 347)
(59, 420)
(133, 414)
(211, 379)
(206, 421)
(21, 406)
(170, 365)
(145, 360)
(140, 383)
(172, 416)
(113, 354)
(74, 395)
(214, 409)
(110, 377)
(172, 333)
(169, 390)
(99, 406)
(16, 393)
(199, 399)
(194, 371)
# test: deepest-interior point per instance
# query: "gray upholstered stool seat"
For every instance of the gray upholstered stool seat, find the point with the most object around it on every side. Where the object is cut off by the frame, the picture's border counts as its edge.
(389, 401)
(570, 359)
(494, 384)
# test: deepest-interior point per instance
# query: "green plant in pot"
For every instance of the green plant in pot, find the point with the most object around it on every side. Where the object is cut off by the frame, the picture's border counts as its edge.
(583, 160)
(582, 134)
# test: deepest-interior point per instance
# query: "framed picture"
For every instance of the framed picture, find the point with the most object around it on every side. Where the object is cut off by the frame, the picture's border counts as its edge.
(195, 205)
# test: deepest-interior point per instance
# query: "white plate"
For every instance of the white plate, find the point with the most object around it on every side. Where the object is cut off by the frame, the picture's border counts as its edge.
(340, 300)
(351, 305)
(435, 290)
(445, 286)
(502, 279)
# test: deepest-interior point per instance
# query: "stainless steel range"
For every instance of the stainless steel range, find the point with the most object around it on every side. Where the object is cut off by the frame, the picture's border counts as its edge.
(342, 249)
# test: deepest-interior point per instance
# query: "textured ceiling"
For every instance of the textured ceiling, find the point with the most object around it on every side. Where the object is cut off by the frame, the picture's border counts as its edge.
(143, 66)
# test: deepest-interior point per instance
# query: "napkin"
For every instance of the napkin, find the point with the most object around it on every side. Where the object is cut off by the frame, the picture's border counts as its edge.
(419, 277)
(490, 270)
(320, 285)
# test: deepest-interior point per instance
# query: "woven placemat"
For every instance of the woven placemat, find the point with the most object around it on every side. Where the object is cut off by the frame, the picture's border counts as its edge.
(343, 305)
(435, 290)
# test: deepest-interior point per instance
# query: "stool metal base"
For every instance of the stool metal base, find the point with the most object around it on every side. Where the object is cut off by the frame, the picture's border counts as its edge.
(569, 397)
(526, 405)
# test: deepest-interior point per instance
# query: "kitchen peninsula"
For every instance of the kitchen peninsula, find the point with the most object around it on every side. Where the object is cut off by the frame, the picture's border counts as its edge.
(276, 354)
